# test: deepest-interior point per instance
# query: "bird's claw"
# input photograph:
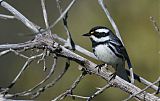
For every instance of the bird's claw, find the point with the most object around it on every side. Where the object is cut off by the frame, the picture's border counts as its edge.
(113, 75)
(100, 66)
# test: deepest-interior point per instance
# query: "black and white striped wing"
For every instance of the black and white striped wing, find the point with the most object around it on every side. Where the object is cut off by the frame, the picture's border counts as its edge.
(119, 50)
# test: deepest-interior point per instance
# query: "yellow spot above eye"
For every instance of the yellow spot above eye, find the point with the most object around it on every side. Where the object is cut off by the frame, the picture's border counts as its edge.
(92, 32)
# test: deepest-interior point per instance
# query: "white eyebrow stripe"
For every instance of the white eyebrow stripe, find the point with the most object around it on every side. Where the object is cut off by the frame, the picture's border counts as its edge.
(102, 30)
(102, 39)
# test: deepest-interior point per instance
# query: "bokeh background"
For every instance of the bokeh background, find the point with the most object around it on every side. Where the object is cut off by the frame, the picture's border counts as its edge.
(132, 18)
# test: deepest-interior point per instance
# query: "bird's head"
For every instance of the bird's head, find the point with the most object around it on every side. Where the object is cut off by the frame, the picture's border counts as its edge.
(99, 33)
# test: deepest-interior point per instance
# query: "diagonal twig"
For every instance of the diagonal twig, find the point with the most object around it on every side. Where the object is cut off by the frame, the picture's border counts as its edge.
(99, 91)
(45, 16)
(19, 16)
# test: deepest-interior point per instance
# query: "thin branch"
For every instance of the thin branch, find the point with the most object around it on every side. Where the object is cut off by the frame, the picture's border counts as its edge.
(44, 13)
(45, 16)
(101, 3)
(19, 16)
(143, 90)
(77, 47)
(19, 46)
(20, 72)
(99, 91)
(70, 90)
(45, 53)
(49, 74)
(78, 96)
(42, 89)
(3, 16)
(70, 43)
(62, 15)
(4, 52)
(40, 83)
(19, 54)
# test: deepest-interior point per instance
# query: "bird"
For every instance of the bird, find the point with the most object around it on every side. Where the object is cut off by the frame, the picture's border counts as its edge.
(108, 48)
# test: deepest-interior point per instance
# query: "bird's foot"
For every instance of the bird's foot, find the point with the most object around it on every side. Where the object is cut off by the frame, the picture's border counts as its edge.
(113, 75)
(100, 66)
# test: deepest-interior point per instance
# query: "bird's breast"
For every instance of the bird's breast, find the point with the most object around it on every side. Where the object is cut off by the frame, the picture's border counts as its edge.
(105, 54)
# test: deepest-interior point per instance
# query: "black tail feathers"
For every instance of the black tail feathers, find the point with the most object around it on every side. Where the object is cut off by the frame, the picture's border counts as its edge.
(136, 77)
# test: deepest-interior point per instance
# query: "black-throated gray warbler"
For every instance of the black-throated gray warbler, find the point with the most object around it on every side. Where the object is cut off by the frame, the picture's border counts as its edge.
(108, 48)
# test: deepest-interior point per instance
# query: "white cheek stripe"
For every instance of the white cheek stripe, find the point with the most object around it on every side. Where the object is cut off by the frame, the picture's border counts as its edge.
(102, 30)
(102, 39)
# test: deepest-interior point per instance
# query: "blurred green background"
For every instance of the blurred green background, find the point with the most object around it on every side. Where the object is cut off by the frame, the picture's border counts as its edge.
(132, 18)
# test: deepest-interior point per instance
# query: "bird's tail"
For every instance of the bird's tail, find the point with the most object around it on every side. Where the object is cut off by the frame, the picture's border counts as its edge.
(121, 72)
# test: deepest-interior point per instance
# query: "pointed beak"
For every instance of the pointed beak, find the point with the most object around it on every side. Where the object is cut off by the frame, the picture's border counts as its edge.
(87, 34)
